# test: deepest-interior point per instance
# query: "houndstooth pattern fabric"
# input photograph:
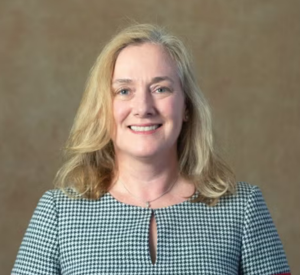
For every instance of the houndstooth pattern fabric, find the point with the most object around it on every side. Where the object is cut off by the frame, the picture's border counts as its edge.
(105, 236)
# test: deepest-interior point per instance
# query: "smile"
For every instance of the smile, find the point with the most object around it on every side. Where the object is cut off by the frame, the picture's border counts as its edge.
(144, 128)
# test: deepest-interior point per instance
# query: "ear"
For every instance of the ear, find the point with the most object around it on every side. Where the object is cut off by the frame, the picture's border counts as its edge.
(185, 114)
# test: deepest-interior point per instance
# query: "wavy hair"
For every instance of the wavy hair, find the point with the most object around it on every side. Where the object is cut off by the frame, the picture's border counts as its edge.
(89, 165)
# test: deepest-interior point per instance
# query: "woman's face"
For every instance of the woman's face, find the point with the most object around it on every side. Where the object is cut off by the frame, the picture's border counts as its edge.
(148, 104)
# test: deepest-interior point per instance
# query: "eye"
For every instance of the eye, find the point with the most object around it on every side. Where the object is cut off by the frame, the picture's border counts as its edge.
(123, 92)
(161, 90)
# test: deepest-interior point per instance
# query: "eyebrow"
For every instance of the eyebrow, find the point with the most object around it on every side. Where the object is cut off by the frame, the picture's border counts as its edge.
(154, 80)
(161, 78)
(121, 81)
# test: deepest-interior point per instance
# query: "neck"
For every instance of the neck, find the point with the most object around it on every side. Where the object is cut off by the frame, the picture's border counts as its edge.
(147, 179)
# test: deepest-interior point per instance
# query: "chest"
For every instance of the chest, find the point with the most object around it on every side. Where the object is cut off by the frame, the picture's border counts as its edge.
(146, 241)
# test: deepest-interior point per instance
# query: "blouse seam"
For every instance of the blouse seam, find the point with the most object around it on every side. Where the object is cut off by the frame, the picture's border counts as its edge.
(56, 218)
(246, 210)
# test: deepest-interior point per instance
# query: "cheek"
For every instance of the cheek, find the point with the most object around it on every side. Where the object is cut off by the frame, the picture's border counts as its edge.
(119, 115)
(176, 110)
(120, 111)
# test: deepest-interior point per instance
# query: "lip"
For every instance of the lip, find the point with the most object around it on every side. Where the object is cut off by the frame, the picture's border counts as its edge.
(145, 125)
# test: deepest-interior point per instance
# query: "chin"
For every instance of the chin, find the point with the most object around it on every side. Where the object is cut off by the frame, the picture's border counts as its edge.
(143, 152)
(145, 155)
(146, 152)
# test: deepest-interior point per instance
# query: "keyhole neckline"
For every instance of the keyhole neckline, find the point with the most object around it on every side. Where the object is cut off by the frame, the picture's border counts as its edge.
(152, 209)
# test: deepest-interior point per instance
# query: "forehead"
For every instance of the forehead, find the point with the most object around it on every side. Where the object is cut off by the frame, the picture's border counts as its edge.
(145, 60)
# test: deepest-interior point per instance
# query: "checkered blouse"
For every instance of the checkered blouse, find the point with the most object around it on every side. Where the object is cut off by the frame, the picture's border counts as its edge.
(105, 236)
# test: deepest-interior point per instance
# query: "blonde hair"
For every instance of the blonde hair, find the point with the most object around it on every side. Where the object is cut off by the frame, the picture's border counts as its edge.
(90, 162)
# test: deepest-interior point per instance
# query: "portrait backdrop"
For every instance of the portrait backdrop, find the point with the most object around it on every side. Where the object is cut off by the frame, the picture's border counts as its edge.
(247, 58)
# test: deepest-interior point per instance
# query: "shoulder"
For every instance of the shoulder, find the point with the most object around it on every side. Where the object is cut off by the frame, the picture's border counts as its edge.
(244, 193)
(247, 201)
(53, 198)
(231, 210)
(245, 190)
(69, 203)
(58, 196)
(52, 203)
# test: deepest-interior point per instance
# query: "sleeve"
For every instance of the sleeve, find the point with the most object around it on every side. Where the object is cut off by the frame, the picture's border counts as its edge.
(262, 250)
(39, 253)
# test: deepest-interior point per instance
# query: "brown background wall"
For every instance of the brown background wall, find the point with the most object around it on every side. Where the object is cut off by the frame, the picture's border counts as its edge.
(248, 61)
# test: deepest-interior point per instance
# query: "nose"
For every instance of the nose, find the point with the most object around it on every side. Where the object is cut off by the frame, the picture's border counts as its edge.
(143, 104)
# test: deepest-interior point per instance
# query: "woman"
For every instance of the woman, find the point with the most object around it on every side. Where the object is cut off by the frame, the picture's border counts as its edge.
(144, 192)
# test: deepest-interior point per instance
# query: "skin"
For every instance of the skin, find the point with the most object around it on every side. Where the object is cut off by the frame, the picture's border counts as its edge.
(147, 92)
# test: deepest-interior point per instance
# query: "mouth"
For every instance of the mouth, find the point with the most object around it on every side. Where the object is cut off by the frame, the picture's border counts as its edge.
(147, 128)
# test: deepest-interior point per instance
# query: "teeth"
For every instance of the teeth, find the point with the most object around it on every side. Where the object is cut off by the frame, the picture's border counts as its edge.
(144, 128)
